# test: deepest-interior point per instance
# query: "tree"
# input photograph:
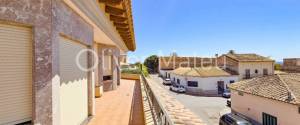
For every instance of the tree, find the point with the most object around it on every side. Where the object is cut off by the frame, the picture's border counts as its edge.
(277, 66)
(152, 63)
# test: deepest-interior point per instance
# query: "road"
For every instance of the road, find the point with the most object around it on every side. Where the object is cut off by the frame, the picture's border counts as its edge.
(207, 108)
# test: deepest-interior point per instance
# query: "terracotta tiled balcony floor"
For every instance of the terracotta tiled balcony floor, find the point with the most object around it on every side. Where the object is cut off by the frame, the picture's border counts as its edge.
(120, 107)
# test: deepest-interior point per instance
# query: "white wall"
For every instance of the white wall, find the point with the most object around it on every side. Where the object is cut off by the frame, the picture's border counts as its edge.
(253, 66)
(107, 60)
(205, 84)
(163, 72)
(253, 106)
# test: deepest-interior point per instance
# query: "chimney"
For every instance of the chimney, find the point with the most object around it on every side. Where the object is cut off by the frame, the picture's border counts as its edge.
(217, 55)
(231, 52)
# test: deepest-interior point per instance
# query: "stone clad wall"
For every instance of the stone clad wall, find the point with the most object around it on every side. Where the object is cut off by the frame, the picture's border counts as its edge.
(67, 23)
(49, 19)
(36, 14)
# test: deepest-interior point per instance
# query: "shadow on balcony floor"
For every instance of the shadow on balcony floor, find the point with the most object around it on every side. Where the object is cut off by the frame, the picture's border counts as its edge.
(120, 107)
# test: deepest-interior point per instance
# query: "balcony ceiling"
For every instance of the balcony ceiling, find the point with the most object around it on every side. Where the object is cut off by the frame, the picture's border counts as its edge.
(120, 14)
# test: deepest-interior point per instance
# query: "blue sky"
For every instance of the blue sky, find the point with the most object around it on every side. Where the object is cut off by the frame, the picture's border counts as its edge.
(206, 27)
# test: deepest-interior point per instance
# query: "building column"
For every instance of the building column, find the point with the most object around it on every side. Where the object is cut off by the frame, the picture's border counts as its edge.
(114, 71)
(91, 82)
(98, 74)
(119, 71)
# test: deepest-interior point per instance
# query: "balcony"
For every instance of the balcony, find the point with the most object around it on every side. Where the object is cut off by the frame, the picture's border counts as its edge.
(139, 102)
(122, 106)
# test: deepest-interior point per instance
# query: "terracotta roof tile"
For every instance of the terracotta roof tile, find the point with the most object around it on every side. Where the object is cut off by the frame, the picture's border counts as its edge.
(275, 87)
(201, 72)
(248, 57)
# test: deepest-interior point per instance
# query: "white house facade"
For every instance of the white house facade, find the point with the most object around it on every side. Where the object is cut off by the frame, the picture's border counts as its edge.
(269, 100)
(203, 81)
(165, 73)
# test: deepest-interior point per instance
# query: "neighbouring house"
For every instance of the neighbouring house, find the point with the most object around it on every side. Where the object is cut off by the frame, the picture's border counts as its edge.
(291, 65)
(168, 63)
(247, 65)
(43, 57)
(268, 100)
(204, 80)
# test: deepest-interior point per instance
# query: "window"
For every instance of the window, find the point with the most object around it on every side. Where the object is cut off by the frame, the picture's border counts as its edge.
(192, 83)
(256, 71)
(107, 78)
(269, 119)
(231, 81)
(266, 72)
(221, 87)
(178, 81)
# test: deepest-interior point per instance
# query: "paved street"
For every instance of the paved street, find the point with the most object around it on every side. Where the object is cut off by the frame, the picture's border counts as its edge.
(207, 108)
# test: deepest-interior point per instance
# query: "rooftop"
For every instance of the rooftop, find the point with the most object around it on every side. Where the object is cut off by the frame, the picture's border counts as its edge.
(248, 57)
(277, 87)
(291, 59)
(202, 72)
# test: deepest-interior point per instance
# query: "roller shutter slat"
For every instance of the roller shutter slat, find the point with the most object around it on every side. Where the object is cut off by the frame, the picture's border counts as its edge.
(16, 73)
(73, 89)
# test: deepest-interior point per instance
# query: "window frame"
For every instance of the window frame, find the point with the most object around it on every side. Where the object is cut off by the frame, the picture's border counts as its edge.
(265, 71)
(194, 83)
(247, 73)
(268, 119)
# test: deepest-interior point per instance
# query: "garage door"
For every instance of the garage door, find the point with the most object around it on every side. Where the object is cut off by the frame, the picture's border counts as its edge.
(15, 74)
(73, 86)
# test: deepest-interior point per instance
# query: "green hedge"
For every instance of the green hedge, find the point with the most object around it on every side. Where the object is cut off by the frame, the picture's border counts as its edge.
(145, 70)
(130, 71)
(136, 71)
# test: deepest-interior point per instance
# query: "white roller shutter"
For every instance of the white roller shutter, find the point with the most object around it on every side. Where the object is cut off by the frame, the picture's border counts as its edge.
(15, 74)
(73, 86)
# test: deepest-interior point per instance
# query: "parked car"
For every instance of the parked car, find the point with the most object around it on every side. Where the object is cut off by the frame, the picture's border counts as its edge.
(228, 102)
(177, 88)
(226, 93)
(233, 119)
(167, 81)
